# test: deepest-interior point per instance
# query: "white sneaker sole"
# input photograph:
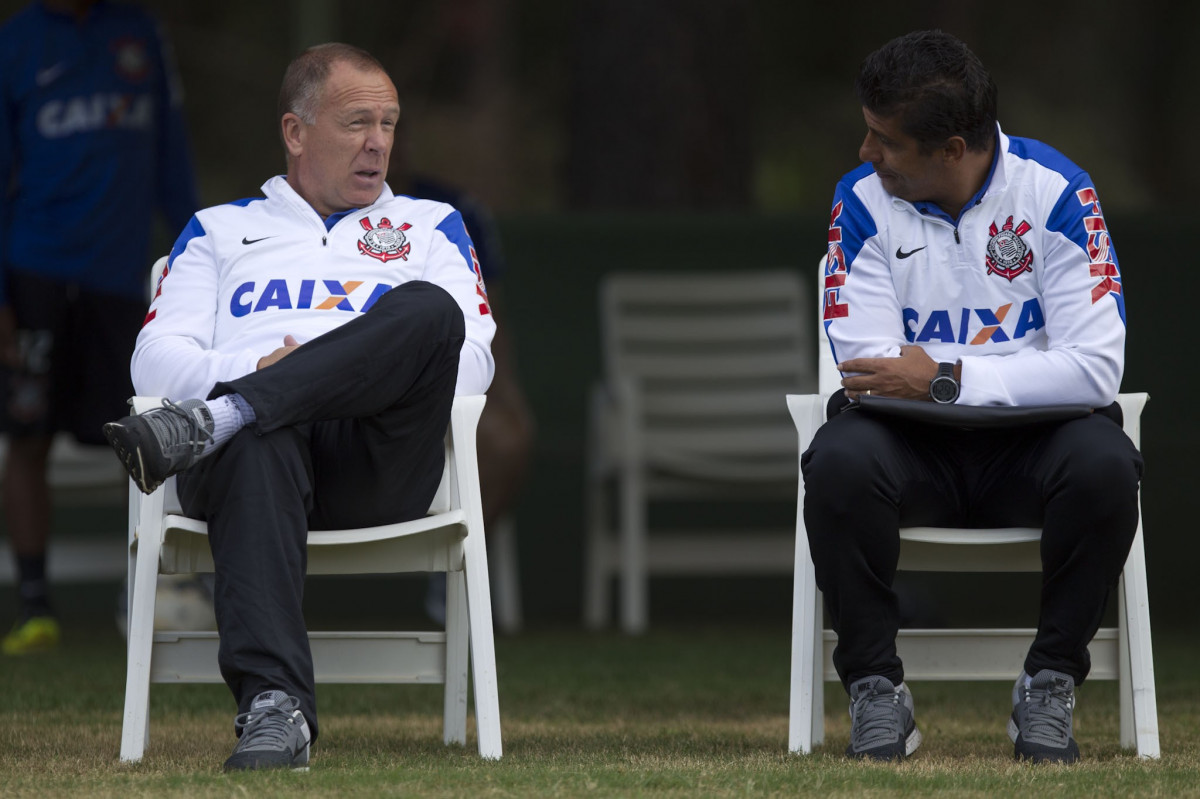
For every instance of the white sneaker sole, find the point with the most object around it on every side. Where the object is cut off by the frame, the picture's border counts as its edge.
(913, 743)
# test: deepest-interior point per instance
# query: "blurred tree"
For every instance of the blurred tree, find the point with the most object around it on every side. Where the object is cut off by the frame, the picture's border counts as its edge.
(542, 105)
(660, 113)
(1162, 112)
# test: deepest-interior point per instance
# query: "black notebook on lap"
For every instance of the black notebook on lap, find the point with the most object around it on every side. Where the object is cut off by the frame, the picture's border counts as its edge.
(975, 417)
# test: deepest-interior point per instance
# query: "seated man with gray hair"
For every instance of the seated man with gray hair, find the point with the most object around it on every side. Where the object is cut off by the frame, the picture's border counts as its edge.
(311, 341)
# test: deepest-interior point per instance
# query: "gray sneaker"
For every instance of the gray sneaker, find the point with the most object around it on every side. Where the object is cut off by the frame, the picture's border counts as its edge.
(274, 734)
(162, 442)
(882, 726)
(1040, 726)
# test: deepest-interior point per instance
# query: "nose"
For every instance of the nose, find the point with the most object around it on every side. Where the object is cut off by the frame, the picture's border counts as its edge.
(868, 151)
(379, 140)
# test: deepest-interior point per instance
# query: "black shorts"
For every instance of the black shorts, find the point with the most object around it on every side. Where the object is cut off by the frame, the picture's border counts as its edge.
(75, 348)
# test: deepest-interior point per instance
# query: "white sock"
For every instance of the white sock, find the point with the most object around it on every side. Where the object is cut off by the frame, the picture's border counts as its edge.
(227, 419)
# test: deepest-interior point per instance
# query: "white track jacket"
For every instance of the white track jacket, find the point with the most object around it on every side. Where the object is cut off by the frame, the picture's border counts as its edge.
(1023, 288)
(245, 274)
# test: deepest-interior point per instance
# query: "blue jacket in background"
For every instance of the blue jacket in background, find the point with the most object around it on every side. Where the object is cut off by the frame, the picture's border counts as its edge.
(92, 143)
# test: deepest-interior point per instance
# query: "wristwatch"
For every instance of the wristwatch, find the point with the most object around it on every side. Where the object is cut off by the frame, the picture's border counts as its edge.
(944, 388)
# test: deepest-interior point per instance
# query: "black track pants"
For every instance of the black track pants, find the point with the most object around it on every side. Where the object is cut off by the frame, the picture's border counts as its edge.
(865, 478)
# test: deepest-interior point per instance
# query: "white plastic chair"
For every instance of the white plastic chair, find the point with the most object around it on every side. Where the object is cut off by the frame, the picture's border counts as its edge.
(694, 365)
(449, 539)
(1122, 653)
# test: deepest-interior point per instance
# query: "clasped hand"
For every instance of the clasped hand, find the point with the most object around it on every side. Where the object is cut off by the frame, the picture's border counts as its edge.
(905, 377)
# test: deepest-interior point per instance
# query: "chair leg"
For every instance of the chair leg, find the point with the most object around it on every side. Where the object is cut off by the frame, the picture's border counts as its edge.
(818, 697)
(144, 585)
(806, 719)
(596, 566)
(454, 718)
(1124, 673)
(1138, 652)
(806, 715)
(634, 576)
(507, 586)
(483, 648)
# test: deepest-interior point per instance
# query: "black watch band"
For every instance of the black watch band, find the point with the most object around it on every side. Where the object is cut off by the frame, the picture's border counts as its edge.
(944, 388)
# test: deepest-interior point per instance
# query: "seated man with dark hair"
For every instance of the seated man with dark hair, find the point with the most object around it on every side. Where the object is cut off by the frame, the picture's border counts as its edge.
(329, 324)
(967, 267)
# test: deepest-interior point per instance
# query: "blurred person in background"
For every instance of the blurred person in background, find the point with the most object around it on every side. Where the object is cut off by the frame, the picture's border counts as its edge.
(92, 145)
(506, 429)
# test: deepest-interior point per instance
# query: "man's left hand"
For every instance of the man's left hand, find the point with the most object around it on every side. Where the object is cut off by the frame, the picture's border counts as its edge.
(289, 346)
(906, 377)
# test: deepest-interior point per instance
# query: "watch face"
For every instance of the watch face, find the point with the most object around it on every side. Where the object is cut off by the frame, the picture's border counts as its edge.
(943, 389)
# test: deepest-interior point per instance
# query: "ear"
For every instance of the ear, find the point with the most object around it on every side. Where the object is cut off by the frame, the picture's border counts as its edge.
(294, 132)
(954, 149)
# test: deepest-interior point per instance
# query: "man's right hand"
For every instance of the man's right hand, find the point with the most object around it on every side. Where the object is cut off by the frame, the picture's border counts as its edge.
(289, 344)
(906, 377)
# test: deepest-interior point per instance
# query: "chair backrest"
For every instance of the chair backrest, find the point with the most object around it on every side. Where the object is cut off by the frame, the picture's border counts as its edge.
(703, 359)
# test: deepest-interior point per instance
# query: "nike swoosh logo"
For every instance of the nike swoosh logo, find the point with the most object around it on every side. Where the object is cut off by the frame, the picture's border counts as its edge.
(902, 254)
(255, 241)
(50, 74)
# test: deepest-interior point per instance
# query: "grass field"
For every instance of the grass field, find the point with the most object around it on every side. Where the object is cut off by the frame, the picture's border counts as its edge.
(684, 711)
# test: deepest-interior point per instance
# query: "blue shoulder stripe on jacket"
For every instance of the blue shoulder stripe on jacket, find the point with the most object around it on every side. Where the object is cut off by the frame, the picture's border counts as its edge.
(1044, 154)
(855, 224)
(453, 228)
(192, 230)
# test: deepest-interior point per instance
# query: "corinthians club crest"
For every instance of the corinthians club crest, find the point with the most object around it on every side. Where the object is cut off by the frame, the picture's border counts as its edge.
(1007, 253)
(384, 242)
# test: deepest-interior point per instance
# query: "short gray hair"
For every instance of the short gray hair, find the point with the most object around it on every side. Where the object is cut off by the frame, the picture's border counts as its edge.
(300, 93)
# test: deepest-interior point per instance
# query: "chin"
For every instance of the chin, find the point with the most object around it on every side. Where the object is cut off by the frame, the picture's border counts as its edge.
(897, 190)
(364, 197)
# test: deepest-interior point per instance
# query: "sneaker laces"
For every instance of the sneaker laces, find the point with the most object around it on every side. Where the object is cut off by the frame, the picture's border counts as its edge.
(876, 717)
(267, 728)
(168, 431)
(1048, 711)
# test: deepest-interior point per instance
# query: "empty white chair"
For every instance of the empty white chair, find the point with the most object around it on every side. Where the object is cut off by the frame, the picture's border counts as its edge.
(450, 539)
(694, 365)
